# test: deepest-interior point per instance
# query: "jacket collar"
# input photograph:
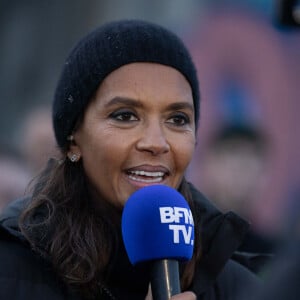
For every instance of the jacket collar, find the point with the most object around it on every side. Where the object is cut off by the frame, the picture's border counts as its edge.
(221, 234)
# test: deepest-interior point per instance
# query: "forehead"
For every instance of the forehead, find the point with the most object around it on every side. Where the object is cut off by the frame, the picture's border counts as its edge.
(146, 76)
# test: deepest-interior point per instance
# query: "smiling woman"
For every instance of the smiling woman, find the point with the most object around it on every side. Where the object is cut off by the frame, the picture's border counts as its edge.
(132, 137)
(125, 116)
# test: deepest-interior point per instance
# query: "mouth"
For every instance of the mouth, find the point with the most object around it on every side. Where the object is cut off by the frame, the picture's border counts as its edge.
(147, 176)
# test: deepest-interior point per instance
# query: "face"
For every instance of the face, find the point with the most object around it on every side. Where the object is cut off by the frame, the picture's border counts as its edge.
(138, 130)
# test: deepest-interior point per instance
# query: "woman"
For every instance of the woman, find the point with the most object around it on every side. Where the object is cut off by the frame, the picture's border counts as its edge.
(125, 115)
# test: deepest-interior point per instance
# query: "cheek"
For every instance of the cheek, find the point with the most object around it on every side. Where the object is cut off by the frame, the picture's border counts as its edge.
(103, 152)
(184, 152)
(97, 154)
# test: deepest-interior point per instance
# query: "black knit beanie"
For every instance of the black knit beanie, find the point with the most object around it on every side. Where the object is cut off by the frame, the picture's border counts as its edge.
(105, 50)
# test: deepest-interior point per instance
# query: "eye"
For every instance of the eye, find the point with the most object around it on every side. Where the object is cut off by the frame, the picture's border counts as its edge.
(123, 116)
(179, 119)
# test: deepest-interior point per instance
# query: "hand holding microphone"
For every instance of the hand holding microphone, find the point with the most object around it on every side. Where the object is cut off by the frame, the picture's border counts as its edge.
(182, 296)
(158, 227)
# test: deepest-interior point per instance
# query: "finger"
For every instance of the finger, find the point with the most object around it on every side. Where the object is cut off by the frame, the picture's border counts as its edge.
(184, 296)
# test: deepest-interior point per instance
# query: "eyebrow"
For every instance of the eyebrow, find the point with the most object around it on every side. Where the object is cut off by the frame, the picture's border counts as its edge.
(137, 103)
(181, 105)
(124, 100)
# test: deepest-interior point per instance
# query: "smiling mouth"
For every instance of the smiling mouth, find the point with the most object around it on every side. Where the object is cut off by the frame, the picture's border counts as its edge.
(146, 176)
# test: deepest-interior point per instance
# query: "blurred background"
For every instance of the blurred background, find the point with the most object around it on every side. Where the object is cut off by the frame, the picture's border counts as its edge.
(248, 58)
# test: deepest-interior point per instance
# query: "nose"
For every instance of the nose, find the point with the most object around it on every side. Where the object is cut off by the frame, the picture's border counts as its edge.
(153, 139)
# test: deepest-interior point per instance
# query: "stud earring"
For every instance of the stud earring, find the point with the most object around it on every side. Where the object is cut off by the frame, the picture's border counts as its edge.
(70, 138)
(74, 157)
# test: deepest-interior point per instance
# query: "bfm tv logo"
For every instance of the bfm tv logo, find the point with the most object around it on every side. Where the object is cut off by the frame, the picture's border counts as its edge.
(174, 215)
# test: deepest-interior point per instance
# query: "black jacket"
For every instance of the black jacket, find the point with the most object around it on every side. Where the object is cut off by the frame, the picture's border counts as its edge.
(25, 275)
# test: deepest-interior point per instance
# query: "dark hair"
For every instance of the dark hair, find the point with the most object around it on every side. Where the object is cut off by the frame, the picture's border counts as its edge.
(61, 224)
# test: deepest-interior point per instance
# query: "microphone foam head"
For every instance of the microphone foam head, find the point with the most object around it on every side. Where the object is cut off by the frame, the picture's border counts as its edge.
(157, 223)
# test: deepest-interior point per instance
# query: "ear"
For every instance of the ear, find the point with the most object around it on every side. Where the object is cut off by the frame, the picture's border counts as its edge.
(74, 153)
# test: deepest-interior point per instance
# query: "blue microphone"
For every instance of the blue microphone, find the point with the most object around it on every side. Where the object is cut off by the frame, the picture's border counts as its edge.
(158, 227)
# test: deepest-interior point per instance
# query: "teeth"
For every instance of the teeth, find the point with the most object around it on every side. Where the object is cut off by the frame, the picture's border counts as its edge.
(155, 176)
(150, 174)
(152, 180)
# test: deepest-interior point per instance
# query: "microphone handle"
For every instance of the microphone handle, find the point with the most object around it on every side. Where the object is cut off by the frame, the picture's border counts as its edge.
(165, 280)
